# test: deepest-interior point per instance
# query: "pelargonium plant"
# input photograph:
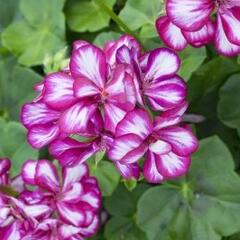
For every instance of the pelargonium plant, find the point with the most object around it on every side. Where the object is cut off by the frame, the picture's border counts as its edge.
(116, 100)
(57, 206)
(199, 22)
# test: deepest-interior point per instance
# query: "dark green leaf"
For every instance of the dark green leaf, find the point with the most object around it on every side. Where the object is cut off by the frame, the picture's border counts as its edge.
(16, 86)
(228, 106)
(204, 205)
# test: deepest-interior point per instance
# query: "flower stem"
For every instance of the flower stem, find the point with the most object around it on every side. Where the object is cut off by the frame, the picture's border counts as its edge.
(117, 20)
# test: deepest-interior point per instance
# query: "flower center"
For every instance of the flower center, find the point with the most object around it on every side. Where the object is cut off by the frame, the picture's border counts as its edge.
(152, 138)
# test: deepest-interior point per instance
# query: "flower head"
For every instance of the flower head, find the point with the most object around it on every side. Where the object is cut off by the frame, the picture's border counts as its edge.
(199, 22)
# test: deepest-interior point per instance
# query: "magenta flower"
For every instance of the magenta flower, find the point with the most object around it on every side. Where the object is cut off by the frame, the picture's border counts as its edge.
(167, 146)
(76, 201)
(189, 21)
(155, 73)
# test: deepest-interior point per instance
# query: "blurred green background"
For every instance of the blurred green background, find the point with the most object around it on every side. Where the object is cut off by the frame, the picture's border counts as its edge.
(36, 38)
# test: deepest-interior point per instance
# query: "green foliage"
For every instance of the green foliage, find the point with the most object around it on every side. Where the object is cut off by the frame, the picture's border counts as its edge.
(192, 58)
(142, 15)
(86, 15)
(106, 174)
(13, 76)
(41, 30)
(229, 99)
(203, 205)
(14, 146)
(36, 38)
(122, 206)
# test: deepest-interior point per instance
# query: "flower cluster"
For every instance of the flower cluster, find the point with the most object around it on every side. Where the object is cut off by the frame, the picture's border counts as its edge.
(199, 22)
(116, 100)
(55, 207)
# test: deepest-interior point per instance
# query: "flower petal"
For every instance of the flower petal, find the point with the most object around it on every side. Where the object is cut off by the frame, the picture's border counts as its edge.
(79, 43)
(125, 40)
(46, 176)
(160, 147)
(162, 63)
(73, 194)
(71, 213)
(171, 165)
(41, 135)
(72, 175)
(189, 15)
(231, 25)
(89, 62)
(76, 118)
(137, 122)
(70, 152)
(123, 145)
(150, 170)
(11, 232)
(58, 91)
(170, 34)
(183, 142)
(166, 94)
(5, 165)
(201, 37)
(28, 171)
(91, 198)
(112, 116)
(37, 113)
(84, 87)
(128, 171)
(135, 154)
(223, 45)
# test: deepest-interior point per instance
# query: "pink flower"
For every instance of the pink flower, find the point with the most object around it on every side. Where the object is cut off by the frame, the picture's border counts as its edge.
(155, 73)
(189, 21)
(5, 166)
(168, 147)
(76, 200)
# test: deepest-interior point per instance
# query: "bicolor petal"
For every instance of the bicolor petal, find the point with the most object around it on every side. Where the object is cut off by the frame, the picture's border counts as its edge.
(150, 170)
(136, 122)
(46, 176)
(41, 135)
(189, 15)
(89, 62)
(170, 34)
(166, 94)
(128, 171)
(123, 145)
(58, 91)
(182, 140)
(28, 171)
(171, 165)
(162, 63)
(37, 113)
(75, 119)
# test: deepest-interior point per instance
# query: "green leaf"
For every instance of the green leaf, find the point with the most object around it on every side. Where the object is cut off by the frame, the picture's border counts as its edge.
(16, 86)
(122, 206)
(85, 15)
(41, 31)
(106, 174)
(8, 11)
(203, 205)
(228, 106)
(122, 202)
(208, 76)
(192, 58)
(13, 145)
(104, 37)
(142, 14)
(120, 228)
(130, 184)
